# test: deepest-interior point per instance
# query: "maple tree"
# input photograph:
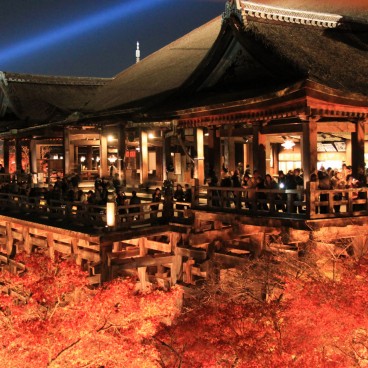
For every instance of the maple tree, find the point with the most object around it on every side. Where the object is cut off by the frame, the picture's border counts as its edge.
(311, 321)
(269, 313)
(67, 324)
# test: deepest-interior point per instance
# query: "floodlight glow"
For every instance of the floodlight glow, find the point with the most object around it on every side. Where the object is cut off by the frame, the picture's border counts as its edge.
(91, 22)
(288, 144)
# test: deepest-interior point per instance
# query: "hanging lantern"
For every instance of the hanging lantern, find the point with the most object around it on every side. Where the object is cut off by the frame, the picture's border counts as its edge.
(288, 144)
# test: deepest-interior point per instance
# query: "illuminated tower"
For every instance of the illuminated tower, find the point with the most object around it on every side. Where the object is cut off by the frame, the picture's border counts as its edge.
(137, 54)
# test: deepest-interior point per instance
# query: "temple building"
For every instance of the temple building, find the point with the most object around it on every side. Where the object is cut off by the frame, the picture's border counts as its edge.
(234, 90)
(275, 87)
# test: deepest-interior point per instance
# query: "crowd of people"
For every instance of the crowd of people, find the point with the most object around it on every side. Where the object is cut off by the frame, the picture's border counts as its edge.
(67, 188)
(325, 179)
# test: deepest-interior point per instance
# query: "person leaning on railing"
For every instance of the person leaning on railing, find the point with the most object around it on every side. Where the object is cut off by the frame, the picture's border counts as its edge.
(179, 197)
(337, 182)
(156, 197)
(324, 183)
(134, 200)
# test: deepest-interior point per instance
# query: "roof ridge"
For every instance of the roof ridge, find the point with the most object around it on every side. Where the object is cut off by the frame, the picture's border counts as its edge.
(244, 9)
(48, 79)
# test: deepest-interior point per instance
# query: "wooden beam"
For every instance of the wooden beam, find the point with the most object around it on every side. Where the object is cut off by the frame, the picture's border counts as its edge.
(162, 247)
(194, 253)
(336, 127)
(86, 142)
(145, 261)
(51, 244)
(229, 260)
(9, 235)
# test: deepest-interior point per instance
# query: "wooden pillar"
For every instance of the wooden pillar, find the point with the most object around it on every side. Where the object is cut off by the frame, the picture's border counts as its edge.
(274, 159)
(166, 156)
(142, 270)
(177, 265)
(104, 171)
(77, 164)
(33, 156)
(259, 149)
(18, 155)
(357, 141)
(309, 148)
(214, 150)
(6, 155)
(199, 160)
(89, 157)
(248, 154)
(268, 153)
(67, 155)
(122, 153)
(231, 151)
(51, 245)
(348, 153)
(143, 143)
(27, 240)
(9, 239)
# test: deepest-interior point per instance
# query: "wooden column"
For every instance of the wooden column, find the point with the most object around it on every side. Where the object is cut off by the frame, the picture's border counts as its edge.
(199, 162)
(121, 153)
(268, 155)
(248, 154)
(309, 148)
(67, 155)
(274, 159)
(259, 149)
(18, 155)
(51, 245)
(214, 150)
(6, 155)
(229, 151)
(143, 143)
(357, 141)
(166, 156)
(104, 170)
(33, 156)
(142, 270)
(9, 239)
(89, 157)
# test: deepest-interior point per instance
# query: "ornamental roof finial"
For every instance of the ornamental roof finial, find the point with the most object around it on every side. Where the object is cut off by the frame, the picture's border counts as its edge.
(137, 54)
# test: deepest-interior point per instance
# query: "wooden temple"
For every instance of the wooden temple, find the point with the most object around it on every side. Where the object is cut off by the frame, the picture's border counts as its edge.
(233, 90)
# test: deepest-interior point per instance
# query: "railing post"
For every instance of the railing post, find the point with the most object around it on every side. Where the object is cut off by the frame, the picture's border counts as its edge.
(195, 196)
(111, 207)
(331, 202)
(350, 202)
(290, 203)
(310, 197)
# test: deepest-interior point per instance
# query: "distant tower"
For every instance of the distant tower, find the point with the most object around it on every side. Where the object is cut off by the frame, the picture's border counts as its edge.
(137, 54)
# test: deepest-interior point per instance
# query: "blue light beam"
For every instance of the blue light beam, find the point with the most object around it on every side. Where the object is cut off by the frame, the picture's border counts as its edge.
(91, 22)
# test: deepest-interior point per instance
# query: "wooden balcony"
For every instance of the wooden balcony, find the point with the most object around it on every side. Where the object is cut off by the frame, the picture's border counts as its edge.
(310, 203)
(298, 204)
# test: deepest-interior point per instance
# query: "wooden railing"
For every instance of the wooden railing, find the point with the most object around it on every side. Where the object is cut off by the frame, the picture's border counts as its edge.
(310, 203)
(79, 214)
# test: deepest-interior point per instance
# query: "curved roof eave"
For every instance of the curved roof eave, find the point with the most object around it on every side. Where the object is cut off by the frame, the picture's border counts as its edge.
(358, 10)
(161, 72)
(43, 98)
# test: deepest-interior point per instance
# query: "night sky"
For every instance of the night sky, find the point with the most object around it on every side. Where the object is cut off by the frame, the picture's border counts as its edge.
(92, 37)
(98, 37)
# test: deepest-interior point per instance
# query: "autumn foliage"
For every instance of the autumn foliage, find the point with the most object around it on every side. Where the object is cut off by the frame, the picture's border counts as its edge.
(66, 324)
(305, 320)
(311, 322)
